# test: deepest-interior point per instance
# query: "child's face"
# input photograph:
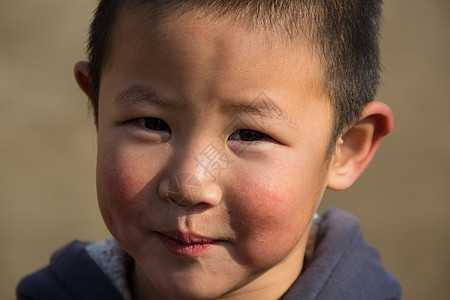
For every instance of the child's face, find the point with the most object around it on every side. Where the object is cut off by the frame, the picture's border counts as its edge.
(172, 101)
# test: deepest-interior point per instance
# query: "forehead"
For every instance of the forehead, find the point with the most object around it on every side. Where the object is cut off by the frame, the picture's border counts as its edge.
(203, 52)
(230, 32)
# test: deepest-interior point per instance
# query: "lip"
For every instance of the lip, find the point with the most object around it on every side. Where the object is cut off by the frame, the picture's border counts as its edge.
(186, 244)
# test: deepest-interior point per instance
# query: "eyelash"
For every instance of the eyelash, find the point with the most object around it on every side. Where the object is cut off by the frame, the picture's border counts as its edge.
(248, 135)
(245, 135)
(159, 124)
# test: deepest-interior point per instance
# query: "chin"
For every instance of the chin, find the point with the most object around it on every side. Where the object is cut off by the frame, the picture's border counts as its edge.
(191, 293)
(188, 286)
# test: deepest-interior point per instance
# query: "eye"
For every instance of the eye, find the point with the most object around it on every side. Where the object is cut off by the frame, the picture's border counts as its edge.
(153, 124)
(247, 135)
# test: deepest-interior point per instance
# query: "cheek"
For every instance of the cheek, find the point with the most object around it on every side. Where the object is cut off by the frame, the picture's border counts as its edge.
(268, 208)
(122, 179)
(273, 214)
(118, 180)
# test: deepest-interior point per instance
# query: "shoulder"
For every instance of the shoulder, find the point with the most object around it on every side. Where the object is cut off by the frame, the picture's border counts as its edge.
(343, 265)
(71, 274)
(357, 268)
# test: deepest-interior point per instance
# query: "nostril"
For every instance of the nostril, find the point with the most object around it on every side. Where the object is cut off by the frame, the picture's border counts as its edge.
(184, 189)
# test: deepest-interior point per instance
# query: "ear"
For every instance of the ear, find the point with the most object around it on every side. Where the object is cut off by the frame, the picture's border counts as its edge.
(356, 148)
(81, 73)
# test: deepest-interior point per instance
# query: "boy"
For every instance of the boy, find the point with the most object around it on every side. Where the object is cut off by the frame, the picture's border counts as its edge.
(220, 124)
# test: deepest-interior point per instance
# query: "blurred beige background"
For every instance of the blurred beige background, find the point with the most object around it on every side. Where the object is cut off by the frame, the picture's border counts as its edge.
(47, 144)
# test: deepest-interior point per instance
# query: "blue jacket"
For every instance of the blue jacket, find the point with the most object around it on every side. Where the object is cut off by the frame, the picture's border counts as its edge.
(343, 266)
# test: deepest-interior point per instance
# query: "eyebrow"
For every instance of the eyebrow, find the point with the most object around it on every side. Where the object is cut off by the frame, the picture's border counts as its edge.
(264, 108)
(139, 94)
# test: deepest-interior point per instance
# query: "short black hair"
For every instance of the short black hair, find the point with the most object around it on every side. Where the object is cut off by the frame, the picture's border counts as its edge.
(344, 33)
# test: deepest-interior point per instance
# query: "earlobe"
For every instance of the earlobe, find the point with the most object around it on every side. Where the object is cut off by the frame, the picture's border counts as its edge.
(81, 73)
(357, 146)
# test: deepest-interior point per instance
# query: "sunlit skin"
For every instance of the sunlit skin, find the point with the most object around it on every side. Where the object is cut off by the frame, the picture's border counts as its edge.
(168, 93)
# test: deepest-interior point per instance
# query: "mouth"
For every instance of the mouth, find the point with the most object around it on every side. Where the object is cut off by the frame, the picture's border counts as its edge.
(186, 244)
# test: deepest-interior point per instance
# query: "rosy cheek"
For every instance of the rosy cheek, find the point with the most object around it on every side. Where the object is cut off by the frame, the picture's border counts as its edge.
(265, 207)
(266, 221)
(119, 183)
(271, 213)
(120, 188)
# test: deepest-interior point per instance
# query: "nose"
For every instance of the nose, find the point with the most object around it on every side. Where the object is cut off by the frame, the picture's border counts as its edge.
(187, 181)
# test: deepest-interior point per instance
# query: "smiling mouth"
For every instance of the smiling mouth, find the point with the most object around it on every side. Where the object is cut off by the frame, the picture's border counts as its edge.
(186, 244)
